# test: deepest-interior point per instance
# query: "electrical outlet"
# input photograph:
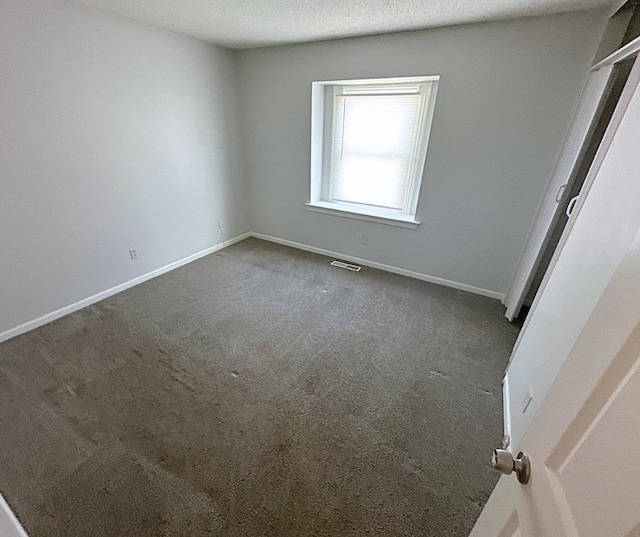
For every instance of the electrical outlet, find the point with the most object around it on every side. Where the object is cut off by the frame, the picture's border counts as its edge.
(133, 252)
(364, 240)
(527, 400)
(220, 224)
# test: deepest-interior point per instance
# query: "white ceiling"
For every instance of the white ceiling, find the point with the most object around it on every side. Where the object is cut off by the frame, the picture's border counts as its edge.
(252, 23)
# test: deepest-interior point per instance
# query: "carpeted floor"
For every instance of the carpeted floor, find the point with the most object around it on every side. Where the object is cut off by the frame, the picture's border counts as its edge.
(257, 392)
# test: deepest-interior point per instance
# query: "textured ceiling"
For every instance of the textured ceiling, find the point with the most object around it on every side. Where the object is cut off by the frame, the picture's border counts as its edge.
(252, 23)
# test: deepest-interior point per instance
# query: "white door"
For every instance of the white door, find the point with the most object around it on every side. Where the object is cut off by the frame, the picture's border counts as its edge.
(572, 391)
(9, 524)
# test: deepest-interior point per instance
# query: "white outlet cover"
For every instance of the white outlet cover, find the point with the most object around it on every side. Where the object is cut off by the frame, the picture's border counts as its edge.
(133, 252)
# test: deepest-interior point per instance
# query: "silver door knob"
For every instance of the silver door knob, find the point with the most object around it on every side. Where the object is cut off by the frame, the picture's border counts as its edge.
(503, 461)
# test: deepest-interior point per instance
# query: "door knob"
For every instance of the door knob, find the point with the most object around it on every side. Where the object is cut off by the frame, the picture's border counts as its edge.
(503, 461)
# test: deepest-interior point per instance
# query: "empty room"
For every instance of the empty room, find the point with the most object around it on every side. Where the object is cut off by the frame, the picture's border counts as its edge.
(274, 268)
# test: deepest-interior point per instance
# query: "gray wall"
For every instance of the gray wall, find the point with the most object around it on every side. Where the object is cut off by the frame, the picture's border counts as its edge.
(113, 134)
(504, 103)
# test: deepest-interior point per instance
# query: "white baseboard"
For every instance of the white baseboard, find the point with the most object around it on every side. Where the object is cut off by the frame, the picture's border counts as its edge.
(381, 266)
(49, 317)
(9, 524)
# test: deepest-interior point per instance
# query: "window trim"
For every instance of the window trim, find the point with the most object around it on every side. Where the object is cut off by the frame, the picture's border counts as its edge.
(322, 103)
(368, 213)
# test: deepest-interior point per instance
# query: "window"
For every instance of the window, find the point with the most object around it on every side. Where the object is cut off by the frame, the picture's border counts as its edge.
(369, 145)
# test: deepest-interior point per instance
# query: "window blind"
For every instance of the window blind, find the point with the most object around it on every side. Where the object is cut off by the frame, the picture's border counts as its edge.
(374, 132)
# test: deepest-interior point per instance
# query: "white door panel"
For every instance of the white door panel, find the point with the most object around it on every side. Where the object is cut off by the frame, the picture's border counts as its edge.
(9, 524)
(615, 480)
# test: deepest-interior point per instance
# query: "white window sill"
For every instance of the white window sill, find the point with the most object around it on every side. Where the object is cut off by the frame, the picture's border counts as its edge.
(369, 214)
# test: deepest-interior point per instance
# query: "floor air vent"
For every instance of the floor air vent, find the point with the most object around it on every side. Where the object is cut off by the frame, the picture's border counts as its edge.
(348, 266)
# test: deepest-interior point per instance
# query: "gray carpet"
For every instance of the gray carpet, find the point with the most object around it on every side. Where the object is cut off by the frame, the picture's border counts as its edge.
(259, 392)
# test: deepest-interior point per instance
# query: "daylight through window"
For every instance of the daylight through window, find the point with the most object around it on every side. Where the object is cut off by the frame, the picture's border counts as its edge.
(374, 138)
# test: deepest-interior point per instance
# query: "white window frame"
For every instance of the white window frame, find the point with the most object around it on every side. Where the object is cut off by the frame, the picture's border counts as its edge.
(322, 105)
